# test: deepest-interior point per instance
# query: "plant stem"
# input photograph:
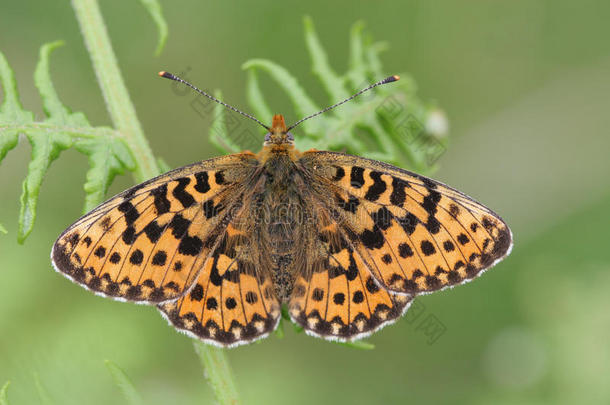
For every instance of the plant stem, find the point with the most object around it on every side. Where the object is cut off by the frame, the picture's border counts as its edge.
(118, 103)
(221, 380)
(124, 118)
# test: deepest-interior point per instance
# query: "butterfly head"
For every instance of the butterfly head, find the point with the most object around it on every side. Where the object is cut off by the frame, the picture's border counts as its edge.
(278, 134)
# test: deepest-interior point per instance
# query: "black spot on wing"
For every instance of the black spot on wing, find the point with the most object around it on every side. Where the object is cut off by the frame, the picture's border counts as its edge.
(408, 223)
(219, 178)
(153, 231)
(317, 294)
(398, 195)
(136, 257)
(211, 303)
(162, 204)
(215, 277)
(404, 250)
(358, 297)
(210, 210)
(372, 239)
(203, 184)
(230, 303)
(430, 202)
(100, 252)
(130, 212)
(251, 297)
(197, 292)
(448, 246)
(185, 198)
(377, 188)
(352, 269)
(339, 173)
(115, 258)
(129, 235)
(357, 177)
(427, 248)
(179, 225)
(433, 225)
(463, 239)
(159, 258)
(428, 182)
(190, 245)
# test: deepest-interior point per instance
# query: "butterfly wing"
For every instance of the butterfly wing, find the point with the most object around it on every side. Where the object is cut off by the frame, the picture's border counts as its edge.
(416, 235)
(233, 300)
(149, 243)
(335, 295)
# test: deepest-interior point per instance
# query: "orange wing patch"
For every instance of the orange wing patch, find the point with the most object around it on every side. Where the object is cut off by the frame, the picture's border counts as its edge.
(415, 234)
(149, 243)
(230, 303)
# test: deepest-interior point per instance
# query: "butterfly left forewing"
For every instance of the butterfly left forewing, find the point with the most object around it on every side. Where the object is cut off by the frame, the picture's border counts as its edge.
(149, 243)
(415, 235)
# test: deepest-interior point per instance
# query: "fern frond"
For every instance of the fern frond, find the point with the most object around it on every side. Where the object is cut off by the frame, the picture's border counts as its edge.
(154, 9)
(61, 129)
(390, 123)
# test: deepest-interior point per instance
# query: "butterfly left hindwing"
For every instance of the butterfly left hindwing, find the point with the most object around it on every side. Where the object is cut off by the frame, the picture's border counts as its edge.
(337, 297)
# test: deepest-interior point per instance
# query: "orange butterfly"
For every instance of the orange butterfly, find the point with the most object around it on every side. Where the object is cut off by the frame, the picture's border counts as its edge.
(344, 242)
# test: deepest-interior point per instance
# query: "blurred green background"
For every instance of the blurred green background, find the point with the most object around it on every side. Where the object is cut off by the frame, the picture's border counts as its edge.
(526, 87)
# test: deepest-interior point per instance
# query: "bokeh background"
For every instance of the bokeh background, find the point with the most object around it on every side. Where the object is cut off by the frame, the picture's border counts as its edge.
(526, 87)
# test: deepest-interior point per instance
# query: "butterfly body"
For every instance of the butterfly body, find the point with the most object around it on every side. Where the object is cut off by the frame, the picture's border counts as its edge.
(219, 246)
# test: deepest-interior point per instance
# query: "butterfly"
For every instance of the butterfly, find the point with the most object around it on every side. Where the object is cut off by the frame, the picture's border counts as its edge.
(344, 243)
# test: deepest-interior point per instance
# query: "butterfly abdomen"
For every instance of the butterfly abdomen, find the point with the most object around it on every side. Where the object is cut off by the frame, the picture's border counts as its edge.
(283, 216)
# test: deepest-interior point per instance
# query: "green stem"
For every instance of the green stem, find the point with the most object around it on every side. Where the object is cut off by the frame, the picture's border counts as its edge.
(118, 102)
(218, 373)
(124, 118)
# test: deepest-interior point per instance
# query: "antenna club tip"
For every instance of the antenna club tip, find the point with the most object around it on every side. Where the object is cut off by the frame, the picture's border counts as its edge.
(391, 79)
(165, 74)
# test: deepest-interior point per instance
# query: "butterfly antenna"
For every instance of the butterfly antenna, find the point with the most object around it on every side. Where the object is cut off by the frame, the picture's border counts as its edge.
(170, 76)
(384, 81)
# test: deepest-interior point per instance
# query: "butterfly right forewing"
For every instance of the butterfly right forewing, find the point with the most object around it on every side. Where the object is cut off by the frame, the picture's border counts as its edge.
(149, 243)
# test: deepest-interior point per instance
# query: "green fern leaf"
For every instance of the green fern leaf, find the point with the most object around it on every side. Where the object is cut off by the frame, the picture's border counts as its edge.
(154, 9)
(12, 113)
(389, 124)
(61, 129)
(107, 158)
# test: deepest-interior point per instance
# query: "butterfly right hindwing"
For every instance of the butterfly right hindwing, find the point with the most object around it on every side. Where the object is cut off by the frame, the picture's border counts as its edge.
(233, 300)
